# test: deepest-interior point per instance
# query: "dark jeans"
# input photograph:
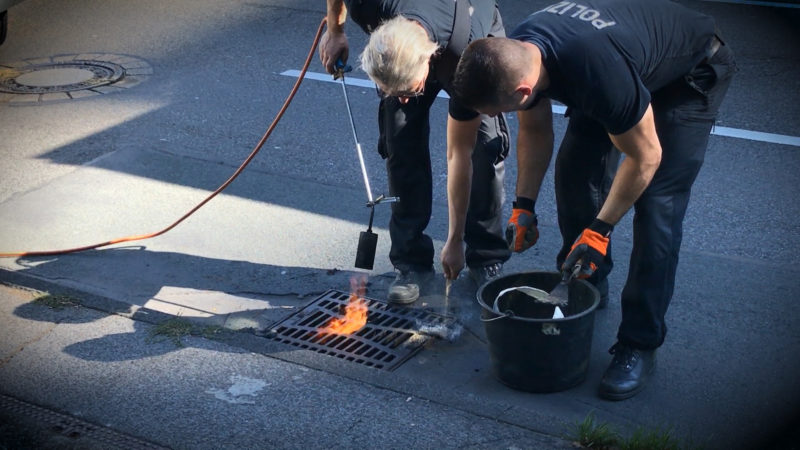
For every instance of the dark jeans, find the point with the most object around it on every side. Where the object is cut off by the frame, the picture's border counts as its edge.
(405, 131)
(685, 111)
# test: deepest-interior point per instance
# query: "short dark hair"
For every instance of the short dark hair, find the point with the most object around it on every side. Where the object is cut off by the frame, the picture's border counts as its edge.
(487, 71)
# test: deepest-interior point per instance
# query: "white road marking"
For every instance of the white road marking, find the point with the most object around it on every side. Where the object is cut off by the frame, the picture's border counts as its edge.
(737, 133)
(757, 3)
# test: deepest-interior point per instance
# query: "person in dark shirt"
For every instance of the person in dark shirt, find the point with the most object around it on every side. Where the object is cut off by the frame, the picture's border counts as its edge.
(406, 58)
(646, 78)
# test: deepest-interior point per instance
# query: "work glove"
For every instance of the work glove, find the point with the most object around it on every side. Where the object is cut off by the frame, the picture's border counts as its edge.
(589, 250)
(521, 231)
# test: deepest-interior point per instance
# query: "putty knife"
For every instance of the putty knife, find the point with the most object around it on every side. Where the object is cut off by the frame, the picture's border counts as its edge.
(560, 294)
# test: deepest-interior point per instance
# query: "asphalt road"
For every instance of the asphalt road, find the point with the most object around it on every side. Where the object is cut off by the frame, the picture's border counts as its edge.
(217, 85)
(220, 72)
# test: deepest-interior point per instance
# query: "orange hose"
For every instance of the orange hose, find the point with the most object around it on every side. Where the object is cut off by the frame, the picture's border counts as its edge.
(213, 194)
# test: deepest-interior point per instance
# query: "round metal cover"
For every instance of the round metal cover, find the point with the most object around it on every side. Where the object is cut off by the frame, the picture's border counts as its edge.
(69, 76)
(59, 77)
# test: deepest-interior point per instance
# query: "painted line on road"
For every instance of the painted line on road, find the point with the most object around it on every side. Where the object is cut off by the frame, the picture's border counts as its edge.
(757, 3)
(756, 136)
(350, 81)
(737, 133)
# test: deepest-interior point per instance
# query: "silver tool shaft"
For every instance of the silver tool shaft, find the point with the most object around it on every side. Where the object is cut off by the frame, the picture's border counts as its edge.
(355, 137)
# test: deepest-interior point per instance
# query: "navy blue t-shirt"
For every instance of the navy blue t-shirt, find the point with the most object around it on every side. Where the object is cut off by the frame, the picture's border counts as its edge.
(437, 17)
(606, 57)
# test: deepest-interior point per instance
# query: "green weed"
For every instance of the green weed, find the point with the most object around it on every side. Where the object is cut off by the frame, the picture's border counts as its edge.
(176, 328)
(644, 439)
(57, 302)
(590, 434)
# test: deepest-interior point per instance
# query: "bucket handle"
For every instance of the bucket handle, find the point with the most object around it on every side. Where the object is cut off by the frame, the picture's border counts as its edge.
(504, 315)
(527, 290)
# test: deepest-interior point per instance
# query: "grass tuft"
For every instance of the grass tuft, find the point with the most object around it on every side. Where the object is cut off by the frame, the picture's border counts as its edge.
(173, 329)
(57, 302)
(176, 328)
(590, 434)
(644, 439)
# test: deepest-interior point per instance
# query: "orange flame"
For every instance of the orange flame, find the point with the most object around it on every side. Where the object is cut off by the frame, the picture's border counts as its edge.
(355, 313)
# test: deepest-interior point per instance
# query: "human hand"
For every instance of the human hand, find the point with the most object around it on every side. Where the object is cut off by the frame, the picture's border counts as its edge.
(589, 249)
(522, 231)
(453, 260)
(333, 47)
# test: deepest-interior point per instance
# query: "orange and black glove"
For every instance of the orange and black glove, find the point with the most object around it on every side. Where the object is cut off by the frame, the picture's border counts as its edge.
(589, 250)
(522, 231)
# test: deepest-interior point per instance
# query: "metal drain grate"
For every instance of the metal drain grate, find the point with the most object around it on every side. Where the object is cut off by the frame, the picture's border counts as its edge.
(83, 434)
(389, 338)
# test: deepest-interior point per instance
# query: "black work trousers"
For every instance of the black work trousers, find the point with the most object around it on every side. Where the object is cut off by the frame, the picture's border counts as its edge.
(404, 143)
(685, 111)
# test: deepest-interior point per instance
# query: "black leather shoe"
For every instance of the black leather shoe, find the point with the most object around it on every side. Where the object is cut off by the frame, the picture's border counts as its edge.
(628, 372)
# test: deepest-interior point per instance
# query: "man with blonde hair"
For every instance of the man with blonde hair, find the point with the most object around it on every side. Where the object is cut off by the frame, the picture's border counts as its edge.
(646, 78)
(412, 53)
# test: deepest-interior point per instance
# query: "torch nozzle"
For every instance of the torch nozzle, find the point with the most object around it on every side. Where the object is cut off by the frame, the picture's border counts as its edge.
(382, 199)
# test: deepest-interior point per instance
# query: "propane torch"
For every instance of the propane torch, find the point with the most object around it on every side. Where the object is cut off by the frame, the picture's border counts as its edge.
(367, 240)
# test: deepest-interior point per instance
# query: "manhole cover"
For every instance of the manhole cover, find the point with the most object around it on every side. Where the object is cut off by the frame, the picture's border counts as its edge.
(390, 337)
(60, 77)
(69, 76)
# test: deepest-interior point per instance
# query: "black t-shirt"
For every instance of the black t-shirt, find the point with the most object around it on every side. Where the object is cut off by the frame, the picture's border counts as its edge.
(437, 17)
(605, 57)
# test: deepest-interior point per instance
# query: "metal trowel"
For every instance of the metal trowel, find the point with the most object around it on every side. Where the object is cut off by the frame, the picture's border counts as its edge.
(560, 294)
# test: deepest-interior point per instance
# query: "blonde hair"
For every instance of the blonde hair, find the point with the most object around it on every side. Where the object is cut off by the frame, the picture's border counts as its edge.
(397, 54)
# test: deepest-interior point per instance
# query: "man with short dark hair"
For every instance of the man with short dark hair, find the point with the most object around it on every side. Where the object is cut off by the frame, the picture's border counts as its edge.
(646, 78)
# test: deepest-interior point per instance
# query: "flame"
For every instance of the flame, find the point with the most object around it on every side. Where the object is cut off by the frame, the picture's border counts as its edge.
(355, 313)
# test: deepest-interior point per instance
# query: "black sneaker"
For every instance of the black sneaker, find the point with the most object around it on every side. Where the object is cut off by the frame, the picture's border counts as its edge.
(628, 372)
(482, 275)
(405, 287)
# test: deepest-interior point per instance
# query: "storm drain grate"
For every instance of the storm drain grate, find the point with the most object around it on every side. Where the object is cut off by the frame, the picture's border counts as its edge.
(83, 434)
(390, 337)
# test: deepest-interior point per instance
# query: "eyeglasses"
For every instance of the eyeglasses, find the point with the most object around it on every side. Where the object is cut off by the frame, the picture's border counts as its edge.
(409, 93)
(406, 94)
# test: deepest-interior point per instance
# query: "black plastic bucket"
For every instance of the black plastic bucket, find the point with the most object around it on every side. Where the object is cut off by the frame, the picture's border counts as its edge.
(533, 353)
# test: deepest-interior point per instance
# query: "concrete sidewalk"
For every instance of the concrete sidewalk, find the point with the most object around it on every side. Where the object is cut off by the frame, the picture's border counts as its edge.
(112, 371)
(726, 378)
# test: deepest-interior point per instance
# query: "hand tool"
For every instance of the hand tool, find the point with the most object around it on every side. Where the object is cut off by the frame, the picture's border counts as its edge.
(367, 240)
(560, 294)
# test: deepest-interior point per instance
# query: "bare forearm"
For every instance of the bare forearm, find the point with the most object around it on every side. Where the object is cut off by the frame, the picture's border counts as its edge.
(337, 14)
(534, 149)
(533, 158)
(631, 180)
(461, 138)
(642, 151)
(459, 185)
